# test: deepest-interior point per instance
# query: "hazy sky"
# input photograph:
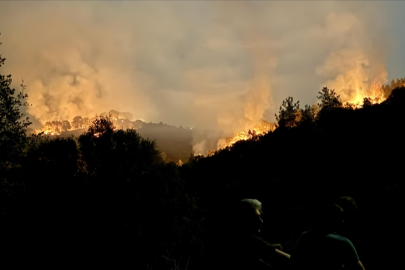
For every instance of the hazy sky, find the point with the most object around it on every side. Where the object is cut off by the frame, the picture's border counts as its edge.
(208, 64)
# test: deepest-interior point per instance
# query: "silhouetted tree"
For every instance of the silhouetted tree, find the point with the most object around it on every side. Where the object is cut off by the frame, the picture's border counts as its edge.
(86, 121)
(400, 82)
(328, 99)
(77, 122)
(66, 125)
(289, 113)
(101, 125)
(308, 115)
(12, 124)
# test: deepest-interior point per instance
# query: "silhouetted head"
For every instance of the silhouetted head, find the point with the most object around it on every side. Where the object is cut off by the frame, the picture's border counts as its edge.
(249, 215)
(328, 216)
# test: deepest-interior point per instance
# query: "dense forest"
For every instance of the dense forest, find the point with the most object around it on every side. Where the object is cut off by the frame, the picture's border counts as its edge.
(107, 196)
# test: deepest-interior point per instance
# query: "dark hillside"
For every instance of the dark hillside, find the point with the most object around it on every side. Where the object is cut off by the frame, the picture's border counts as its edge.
(108, 196)
(111, 196)
(346, 151)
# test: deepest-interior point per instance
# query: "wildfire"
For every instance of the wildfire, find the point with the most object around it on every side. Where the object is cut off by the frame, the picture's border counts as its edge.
(353, 97)
(263, 127)
(55, 128)
(375, 95)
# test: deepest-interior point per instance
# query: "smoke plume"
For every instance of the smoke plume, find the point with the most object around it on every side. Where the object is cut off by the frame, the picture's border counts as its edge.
(218, 66)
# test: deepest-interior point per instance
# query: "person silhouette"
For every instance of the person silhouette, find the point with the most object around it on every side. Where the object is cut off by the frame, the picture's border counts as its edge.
(246, 249)
(321, 247)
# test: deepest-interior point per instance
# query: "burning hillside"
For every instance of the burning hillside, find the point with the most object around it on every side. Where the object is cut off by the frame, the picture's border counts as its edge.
(374, 95)
(121, 120)
(355, 96)
(261, 128)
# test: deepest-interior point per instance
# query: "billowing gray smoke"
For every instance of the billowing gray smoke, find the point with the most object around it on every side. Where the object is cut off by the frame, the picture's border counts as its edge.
(213, 65)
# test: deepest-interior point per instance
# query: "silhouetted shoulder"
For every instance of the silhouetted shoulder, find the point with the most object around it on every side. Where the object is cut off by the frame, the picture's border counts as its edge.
(346, 247)
(322, 249)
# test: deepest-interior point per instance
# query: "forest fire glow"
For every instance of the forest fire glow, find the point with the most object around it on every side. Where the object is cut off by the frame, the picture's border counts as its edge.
(121, 120)
(374, 95)
(261, 128)
(55, 128)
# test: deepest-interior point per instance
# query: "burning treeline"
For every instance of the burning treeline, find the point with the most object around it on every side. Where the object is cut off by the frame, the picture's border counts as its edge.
(355, 98)
(55, 128)
(351, 98)
(218, 71)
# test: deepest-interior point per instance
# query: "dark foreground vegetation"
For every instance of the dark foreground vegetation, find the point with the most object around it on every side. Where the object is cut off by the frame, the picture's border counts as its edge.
(108, 197)
(174, 143)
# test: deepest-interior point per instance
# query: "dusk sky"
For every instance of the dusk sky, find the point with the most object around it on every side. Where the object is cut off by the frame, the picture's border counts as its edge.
(208, 64)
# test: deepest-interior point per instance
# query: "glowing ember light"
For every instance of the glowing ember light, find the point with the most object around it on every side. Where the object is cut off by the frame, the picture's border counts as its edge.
(79, 123)
(263, 127)
(375, 94)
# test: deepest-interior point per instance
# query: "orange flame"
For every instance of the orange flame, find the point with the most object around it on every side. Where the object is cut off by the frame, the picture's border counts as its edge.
(261, 128)
(375, 94)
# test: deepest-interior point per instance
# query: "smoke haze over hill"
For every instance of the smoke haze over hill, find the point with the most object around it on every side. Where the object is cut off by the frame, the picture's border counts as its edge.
(221, 66)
